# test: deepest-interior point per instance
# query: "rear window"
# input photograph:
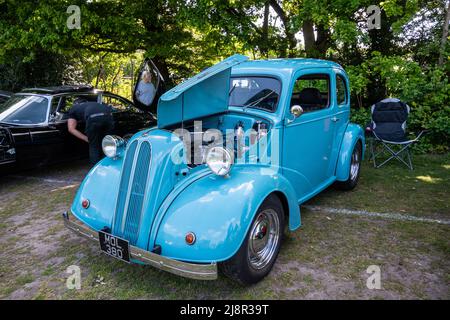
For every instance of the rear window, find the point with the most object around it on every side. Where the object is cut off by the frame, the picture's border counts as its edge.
(255, 92)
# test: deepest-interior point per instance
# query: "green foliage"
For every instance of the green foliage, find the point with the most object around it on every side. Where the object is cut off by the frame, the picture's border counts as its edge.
(425, 90)
(39, 69)
(183, 37)
(360, 116)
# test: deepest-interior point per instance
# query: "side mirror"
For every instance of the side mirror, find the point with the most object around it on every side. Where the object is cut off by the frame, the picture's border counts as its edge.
(296, 111)
(53, 117)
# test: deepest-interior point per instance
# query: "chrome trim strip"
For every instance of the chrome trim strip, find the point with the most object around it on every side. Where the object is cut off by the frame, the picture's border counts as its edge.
(180, 268)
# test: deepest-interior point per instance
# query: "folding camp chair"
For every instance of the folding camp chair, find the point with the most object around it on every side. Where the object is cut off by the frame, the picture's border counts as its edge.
(388, 129)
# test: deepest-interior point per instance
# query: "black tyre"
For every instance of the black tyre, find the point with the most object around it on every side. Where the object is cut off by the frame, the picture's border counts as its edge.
(257, 254)
(355, 168)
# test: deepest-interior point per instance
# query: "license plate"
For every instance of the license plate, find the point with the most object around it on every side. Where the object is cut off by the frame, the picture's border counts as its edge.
(114, 246)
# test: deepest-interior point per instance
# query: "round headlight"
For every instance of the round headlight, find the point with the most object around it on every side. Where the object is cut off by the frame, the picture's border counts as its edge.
(219, 160)
(113, 146)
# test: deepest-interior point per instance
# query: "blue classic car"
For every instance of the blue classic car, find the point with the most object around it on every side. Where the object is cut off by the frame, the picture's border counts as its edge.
(214, 185)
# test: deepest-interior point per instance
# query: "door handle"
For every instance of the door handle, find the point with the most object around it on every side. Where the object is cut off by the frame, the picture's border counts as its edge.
(334, 119)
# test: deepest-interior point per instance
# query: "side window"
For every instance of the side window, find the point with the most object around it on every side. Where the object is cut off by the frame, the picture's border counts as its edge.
(54, 105)
(68, 101)
(117, 104)
(312, 92)
(341, 90)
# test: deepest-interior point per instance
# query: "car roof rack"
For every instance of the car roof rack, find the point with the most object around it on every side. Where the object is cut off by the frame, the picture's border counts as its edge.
(59, 89)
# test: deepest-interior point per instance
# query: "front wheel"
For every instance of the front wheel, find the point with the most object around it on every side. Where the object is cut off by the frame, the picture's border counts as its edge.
(257, 254)
(355, 168)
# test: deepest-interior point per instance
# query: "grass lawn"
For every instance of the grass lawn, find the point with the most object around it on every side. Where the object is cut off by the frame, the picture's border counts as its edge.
(394, 188)
(326, 258)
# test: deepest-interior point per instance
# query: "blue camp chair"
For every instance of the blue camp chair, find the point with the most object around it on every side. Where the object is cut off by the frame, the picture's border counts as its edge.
(388, 129)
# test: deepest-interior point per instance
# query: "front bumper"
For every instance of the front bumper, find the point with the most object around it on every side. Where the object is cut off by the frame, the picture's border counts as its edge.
(184, 269)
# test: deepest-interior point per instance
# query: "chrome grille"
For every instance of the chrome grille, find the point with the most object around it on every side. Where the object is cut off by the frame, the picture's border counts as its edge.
(123, 188)
(137, 193)
(132, 191)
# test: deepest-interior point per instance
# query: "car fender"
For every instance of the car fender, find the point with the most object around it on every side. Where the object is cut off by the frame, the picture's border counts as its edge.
(352, 135)
(219, 211)
(100, 187)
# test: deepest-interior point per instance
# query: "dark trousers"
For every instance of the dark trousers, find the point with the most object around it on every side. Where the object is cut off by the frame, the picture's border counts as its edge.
(96, 129)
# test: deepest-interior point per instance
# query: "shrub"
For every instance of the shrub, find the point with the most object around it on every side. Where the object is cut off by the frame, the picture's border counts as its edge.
(426, 91)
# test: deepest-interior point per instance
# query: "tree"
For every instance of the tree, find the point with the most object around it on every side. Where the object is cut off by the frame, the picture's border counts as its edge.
(444, 35)
(157, 27)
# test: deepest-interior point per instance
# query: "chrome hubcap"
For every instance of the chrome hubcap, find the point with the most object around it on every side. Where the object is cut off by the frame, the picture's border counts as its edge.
(264, 237)
(354, 167)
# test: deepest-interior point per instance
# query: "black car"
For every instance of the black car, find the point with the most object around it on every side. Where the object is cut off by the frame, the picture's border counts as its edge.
(4, 95)
(33, 122)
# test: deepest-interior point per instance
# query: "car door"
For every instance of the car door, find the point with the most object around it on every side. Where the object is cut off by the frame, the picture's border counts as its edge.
(42, 139)
(127, 118)
(308, 139)
(73, 147)
(149, 86)
(49, 138)
(341, 111)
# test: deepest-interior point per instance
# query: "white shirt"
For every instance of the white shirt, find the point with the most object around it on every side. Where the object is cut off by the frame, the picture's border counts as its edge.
(145, 92)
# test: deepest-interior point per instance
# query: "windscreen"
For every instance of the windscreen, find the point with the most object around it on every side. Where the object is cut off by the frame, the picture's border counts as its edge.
(255, 92)
(24, 109)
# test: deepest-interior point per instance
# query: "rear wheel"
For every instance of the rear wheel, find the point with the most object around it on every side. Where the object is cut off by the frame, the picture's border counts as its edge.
(355, 168)
(257, 254)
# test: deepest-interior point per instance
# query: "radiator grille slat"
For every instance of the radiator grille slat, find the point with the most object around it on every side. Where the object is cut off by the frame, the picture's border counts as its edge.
(123, 188)
(137, 194)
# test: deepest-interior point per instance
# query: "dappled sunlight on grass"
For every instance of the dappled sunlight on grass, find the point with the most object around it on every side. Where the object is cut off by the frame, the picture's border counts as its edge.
(395, 188)
(65, 187)
(428, 179)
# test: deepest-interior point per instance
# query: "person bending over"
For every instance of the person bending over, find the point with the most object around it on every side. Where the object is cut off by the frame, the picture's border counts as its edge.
(99, 123)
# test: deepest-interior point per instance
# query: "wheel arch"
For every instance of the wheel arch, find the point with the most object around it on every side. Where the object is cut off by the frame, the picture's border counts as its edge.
(284, 202)
(221, 225)
(353, 134)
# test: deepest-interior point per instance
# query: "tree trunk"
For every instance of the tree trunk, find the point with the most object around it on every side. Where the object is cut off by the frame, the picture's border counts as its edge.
(323, 40)
(290, 36)
(444, 36)
(381, 40)
(99, 73)
(308, 35)
(265, 32)
(115, 78)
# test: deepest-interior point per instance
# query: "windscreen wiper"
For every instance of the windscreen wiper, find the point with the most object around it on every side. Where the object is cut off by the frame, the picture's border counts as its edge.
(251, 104)
(234, 87)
